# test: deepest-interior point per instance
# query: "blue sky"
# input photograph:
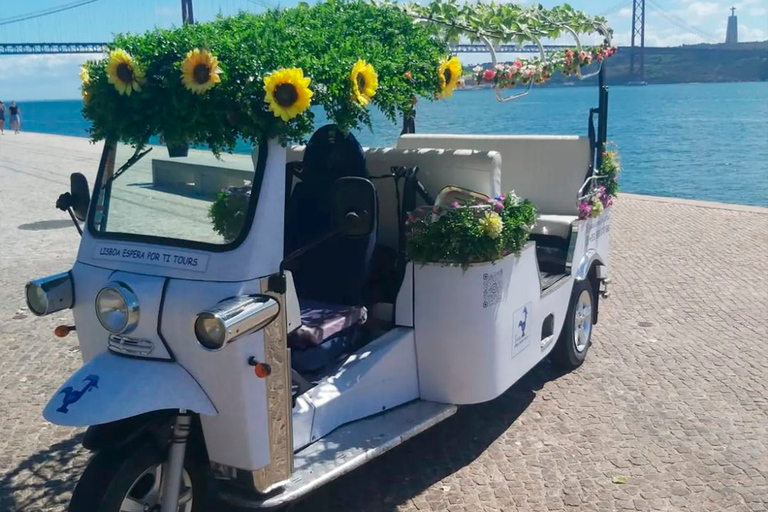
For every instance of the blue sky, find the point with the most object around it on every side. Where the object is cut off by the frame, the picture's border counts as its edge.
(34, 77)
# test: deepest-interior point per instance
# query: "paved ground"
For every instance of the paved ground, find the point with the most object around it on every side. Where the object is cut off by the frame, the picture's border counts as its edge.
(673, 397)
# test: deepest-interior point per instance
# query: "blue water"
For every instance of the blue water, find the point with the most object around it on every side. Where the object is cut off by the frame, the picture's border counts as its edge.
(695, 141)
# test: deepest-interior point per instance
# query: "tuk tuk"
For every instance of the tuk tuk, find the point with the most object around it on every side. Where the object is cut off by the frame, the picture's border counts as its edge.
(267, 320)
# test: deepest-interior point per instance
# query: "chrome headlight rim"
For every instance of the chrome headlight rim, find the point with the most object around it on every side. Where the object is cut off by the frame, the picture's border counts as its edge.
(204, 339)
(131, 304)
(55, 292)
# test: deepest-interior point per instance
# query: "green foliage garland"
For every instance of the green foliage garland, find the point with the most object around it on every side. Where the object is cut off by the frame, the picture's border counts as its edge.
(324, 40)
(469, 234)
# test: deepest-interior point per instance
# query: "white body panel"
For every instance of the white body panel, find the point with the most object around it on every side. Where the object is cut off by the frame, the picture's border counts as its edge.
(468, 340)
(112, 387)
(378, 377)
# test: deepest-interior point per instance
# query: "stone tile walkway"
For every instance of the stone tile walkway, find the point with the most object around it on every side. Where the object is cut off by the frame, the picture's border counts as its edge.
(673, 397)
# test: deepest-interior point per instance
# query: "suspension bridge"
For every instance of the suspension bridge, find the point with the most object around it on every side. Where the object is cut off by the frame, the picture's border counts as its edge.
(18, 33)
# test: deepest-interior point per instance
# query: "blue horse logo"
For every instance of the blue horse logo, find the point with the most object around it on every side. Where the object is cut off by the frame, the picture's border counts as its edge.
(72, 396)
(521, 324)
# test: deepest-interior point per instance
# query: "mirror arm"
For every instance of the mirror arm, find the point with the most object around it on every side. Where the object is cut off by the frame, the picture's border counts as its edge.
(64, 203)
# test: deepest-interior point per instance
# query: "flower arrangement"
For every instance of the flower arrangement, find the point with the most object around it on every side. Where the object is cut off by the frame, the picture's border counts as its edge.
(602, 195)
(522, 71)
(227, 213)
(470, 232)
(254, 76)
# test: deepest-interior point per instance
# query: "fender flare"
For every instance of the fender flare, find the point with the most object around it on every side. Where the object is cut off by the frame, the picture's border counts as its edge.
(111, 387)
(585, 265)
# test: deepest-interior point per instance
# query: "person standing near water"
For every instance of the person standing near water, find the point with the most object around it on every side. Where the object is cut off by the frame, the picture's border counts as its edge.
(2, 118)
(15, 117)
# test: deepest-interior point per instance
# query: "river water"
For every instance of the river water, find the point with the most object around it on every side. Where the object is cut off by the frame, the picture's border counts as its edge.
(695, 141)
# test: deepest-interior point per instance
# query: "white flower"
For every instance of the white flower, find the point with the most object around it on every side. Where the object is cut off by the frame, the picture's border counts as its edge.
(477, 69)
(499, 67)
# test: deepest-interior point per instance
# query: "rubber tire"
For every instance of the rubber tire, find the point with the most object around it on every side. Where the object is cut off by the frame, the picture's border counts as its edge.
(108, 475)
(564, 355)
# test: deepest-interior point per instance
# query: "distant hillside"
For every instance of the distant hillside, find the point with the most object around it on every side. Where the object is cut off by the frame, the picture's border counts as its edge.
(746, 62)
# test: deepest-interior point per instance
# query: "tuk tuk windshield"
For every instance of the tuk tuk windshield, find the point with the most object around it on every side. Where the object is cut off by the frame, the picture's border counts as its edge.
(193, 199)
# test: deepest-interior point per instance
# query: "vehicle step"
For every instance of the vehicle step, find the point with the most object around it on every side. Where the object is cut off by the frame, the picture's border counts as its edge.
(349, 447)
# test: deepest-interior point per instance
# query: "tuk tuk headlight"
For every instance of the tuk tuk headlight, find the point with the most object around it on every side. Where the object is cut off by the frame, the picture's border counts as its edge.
(232, 318)
(50, 294)
(117, 308)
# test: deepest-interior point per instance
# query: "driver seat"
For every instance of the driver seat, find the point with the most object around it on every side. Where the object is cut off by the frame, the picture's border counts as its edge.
(329, 278)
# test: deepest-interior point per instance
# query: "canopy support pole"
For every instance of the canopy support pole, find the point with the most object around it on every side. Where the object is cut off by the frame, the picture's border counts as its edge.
(602, 119)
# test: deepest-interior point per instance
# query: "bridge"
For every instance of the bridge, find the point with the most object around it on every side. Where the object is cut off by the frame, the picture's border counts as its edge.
(72, 16)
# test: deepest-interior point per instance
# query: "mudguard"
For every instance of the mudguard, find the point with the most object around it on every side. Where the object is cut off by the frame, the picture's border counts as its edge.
(111, 387)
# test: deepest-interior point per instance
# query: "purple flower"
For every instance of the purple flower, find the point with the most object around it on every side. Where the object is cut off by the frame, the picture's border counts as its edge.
(607, 200)
(499, 206)
(585, 209)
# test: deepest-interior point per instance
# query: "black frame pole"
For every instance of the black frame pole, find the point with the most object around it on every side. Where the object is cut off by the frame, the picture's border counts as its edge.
(602, 119)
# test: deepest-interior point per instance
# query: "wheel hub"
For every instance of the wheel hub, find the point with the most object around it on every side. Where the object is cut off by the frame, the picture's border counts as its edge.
(145, 494)
(582, 321)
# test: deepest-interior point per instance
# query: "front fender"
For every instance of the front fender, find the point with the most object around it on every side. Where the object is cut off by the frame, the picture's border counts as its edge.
(111, 387)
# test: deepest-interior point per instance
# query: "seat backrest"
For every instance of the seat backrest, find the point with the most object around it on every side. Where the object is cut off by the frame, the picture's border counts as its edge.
(547, 169)
(335, 271)
(476, 170)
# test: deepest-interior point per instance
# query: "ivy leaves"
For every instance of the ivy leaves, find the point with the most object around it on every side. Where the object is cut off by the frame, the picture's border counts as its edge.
(324, 40)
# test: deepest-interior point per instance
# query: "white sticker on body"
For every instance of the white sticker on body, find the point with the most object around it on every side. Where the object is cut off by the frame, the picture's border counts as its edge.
(195, 262)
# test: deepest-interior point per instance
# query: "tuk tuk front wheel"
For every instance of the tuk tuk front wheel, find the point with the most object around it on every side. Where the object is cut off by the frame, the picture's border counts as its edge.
(576, 335)
(130, 480)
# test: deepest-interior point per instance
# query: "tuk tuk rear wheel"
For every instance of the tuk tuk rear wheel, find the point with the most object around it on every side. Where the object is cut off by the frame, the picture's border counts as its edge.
(576, 335)
(129, 480)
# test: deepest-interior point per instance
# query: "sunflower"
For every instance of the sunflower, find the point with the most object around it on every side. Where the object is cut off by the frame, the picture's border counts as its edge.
(85, 76)
(124, 72)
(449, 73)
(288, 92)
(364, 80)
(200, 71)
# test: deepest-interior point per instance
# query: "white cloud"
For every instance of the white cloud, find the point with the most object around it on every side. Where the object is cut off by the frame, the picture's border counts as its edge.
(702, 9)
(27, 77)
(624, 12)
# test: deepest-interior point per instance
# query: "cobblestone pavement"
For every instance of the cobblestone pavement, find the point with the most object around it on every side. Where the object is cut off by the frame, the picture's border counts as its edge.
(673, 397)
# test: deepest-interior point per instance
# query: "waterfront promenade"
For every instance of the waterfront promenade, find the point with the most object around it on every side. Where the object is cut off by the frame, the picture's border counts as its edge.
(673, 398)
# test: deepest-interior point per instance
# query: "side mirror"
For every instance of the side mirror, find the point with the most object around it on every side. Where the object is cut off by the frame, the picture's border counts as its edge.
(81, 195)
(355, 206)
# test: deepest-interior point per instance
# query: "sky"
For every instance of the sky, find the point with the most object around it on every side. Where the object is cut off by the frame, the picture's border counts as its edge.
(49, 77)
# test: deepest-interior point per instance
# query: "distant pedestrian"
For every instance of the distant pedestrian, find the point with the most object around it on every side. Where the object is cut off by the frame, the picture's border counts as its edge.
(2, 118)
(15, 117)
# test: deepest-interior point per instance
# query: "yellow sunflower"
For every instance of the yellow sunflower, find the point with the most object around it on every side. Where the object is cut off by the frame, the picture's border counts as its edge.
(449, 73)
(85, 76)
(288, 93)
(365, 81)
(200, 71)
(124, 72)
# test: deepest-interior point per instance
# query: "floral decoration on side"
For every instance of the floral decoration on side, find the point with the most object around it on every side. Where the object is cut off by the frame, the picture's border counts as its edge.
(469, 232)
(607, 188)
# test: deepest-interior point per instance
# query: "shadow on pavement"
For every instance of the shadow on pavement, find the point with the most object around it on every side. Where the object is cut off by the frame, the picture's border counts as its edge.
(45, 480)
(43, 225)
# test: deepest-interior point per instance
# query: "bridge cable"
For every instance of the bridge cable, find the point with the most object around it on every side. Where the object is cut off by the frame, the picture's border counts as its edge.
(45, 12)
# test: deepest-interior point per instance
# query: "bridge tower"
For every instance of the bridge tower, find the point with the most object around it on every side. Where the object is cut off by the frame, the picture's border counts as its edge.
(637, 51)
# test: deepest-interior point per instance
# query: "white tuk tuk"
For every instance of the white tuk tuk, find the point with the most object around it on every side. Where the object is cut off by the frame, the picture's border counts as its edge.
(267, 322)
